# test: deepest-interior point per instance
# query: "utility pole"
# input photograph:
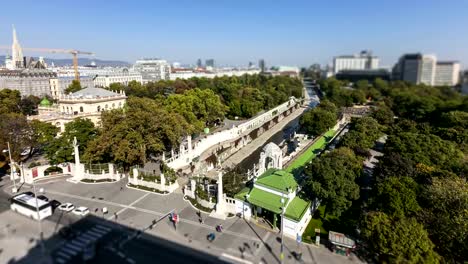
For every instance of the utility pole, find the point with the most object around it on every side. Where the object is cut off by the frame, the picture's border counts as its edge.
(12, 170)
(282, 228)
(41, 233)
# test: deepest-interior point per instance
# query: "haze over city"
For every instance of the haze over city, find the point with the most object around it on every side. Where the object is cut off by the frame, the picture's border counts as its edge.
(235, 32)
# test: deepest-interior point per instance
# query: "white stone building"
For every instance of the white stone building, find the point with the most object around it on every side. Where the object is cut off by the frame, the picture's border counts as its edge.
(59, 84)
(27, 81)
(122, 77)
(363, 61)
(153, 70)
(447, 73)
(190, 73)
(86, 103)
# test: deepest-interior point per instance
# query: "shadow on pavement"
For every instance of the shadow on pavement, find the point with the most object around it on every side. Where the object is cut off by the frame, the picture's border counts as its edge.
(96, 240)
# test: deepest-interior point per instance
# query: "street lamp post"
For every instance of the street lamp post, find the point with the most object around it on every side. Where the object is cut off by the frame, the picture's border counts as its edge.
(282, 228)
(12, 172)
(41, 233)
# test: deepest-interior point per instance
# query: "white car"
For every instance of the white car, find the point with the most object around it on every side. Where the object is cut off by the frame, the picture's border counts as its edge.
(81, 211)
(67, 207)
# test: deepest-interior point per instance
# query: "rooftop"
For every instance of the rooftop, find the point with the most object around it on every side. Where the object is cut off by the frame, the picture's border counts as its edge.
(277, 180)
(297, 208)
(266, 200)
(92, 92)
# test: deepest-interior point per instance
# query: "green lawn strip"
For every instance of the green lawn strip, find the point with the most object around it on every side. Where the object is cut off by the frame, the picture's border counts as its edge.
(312, 151)
(317, 221)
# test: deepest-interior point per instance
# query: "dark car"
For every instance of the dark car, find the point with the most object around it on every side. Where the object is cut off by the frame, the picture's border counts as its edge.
(43, 198)
(55, 204)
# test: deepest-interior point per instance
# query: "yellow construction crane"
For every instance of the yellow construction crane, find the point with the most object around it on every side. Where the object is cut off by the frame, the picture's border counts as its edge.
(69, 51)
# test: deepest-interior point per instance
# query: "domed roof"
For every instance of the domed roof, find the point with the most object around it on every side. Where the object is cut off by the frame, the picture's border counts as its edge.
(45, 102)
(271, 148)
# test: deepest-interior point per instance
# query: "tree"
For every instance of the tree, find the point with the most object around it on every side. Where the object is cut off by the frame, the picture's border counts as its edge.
(144, 129)
(328, 106)
(233, 181)
(116, 87)
(9, 101)
(332, 179)
(14, 128)
(445, 215)
(363, 134)
(396, 196)
(43, 134)
(75, 86)
(398, 240)
(318, 121)
(29, 105)
(427, 149)
(383, 114)
(60, 149)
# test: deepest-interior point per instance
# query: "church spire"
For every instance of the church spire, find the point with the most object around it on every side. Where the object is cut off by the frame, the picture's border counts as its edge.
(16, 51)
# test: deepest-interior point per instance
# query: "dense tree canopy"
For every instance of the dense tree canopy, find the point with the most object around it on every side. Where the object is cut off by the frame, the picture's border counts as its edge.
(397, 196)
(10, 101)
(244, 95)
(332, 179)
(130, 137)
(61, 149)
(398, 240)
(445, 214)
(362, 134)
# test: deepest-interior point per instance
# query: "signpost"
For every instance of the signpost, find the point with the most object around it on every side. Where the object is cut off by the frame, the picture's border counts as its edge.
(317, 236)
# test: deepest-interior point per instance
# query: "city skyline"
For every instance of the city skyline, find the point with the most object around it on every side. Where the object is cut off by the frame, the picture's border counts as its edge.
(233, 33)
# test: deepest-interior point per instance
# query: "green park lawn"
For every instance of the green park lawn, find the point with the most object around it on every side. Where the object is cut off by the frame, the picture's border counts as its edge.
(312, 151)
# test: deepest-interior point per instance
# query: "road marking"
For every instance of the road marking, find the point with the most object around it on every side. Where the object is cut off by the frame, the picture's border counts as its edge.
(123, 209)
(153, 213)
(238, 260)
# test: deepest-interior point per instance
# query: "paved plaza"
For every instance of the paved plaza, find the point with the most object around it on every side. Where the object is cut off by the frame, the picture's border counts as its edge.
(240, 242)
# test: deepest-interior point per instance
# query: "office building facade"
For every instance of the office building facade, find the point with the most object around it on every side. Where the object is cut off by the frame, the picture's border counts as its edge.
(363, 61)
(153, 70)
(447, 73)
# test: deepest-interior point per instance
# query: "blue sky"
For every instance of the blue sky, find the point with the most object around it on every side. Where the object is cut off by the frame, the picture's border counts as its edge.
(235, 32)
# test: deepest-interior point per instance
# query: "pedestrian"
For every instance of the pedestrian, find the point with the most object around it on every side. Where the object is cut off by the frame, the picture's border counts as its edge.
(121, 188)
(115, 215)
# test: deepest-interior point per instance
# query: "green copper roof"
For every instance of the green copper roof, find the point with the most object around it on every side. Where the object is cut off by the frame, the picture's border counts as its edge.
(296, 209)
(241, 195)
(266, 200)
(45, 102)
(277, 180)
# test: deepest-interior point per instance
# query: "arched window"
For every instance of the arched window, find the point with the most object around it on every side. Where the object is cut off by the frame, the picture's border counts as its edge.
(99, 108)
(107, 106)
(113, 105)
(81, 109)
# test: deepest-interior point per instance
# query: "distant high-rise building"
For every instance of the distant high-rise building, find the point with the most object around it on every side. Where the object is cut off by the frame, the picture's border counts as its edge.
(251, 64)
(416, 68)
(363, 61)
(464, 82)
(447, 73)
(16, 52)
(210, 63)
(261, 65)
(153, 69)
(199, 63)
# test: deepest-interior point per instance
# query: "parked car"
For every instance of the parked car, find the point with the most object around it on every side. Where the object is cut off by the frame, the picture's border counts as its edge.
(55, 204)
(67, 207)
(81, 211)
(43, 198)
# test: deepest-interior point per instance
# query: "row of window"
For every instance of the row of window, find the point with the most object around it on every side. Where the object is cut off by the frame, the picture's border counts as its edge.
(98, 108)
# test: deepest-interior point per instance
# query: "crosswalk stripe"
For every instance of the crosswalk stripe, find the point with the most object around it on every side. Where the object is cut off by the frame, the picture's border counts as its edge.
(60, 260)
(73, 247)
(104, 228)
(63, 254)
(69, 251)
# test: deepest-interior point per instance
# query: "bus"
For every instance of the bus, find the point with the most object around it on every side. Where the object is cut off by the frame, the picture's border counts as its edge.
(28, 205)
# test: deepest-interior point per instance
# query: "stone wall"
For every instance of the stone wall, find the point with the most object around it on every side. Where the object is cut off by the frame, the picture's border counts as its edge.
(188, 153)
